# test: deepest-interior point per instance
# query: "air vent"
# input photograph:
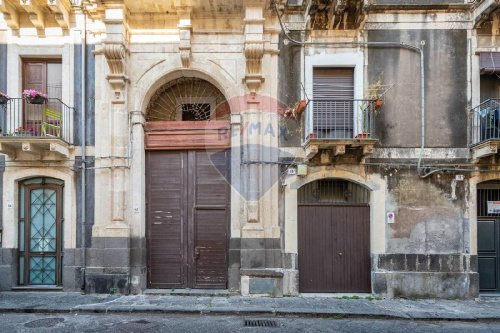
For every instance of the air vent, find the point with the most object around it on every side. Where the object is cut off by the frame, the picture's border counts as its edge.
(260, 323)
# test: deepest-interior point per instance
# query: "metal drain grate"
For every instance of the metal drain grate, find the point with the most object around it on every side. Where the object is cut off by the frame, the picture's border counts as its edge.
(260, 323)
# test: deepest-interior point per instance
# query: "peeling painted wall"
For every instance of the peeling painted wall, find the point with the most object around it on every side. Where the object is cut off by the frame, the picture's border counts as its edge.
(398, 123)
(429, 213)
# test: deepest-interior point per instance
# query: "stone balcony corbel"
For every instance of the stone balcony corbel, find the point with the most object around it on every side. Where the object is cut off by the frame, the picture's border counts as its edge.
(482, 10)
(10, 15)
(185, 30)
(116, 56)
(254, 51)
(35, 15)
(61, 12)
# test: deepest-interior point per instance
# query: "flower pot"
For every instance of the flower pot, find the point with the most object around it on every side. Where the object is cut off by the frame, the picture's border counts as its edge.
(4, 99)
(36, 100)
(363, 135)
(312, 136)
(378, 103)
(301, 106)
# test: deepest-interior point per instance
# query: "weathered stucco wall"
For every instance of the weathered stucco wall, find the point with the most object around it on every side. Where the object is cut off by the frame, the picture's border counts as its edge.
(289, 89)
(429, 213)
(445, 51)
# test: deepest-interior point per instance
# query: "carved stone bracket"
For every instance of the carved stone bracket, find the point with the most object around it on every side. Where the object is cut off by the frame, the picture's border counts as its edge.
(116, 55)
(254, 51)
(185, 30)
(185, 45)
(10, 15)
(61, 13)
(35, 16)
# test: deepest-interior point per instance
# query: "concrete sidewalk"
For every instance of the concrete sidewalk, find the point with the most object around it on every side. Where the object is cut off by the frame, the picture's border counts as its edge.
(62, 302)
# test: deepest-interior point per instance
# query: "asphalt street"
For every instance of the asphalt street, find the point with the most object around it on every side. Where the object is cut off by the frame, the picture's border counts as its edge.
(22, 322)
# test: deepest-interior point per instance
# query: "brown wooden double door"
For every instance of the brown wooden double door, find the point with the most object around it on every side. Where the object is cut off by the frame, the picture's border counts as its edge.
(188, 199)
(334, 248)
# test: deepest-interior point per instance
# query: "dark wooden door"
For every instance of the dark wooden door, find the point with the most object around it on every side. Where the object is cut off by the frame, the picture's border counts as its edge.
(188, 218)
(334, 248)
(488, 246)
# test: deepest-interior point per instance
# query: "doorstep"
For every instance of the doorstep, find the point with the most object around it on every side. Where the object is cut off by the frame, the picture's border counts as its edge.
(37, 288)
(187, 292)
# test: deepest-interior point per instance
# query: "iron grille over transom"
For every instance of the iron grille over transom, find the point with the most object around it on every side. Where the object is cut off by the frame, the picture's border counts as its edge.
(333, 191)
(488, 191)
(188, 99)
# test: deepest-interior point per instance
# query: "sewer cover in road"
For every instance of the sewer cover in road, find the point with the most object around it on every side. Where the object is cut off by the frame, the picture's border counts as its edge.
(136, 326)
(46, 322)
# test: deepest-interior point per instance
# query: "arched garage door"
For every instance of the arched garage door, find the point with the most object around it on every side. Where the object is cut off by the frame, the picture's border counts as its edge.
(334, 237)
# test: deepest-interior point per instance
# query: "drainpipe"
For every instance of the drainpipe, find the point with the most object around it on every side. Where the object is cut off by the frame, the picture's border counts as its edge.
(402, 45)
(84, 146)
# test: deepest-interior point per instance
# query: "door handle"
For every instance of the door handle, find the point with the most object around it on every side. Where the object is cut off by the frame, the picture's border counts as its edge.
(340, 254)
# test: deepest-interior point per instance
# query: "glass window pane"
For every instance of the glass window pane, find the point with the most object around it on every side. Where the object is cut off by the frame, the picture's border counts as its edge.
(21, 236)
(53, 181)
(43, 270)
(21, 270)
(54, 80)
(43, 220)
(21, 202)
(33, 181)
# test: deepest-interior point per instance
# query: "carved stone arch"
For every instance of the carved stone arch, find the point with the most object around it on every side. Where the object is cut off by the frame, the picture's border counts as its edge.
(165, 71)
(297, 181)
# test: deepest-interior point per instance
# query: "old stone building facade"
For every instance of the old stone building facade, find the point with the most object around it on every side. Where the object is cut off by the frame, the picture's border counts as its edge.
(263, 147)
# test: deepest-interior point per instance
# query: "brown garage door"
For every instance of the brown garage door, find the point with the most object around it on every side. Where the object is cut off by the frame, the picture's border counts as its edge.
(187, 218)
(334, 248)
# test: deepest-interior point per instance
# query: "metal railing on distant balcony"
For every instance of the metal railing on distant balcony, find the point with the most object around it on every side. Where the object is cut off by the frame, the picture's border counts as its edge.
(485, 122)
(340, 119)
(50, 119)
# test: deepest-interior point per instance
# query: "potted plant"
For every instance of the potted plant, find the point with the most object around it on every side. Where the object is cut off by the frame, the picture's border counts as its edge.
(20, 131)
(34, 96)
(299, 108)
(3, 98)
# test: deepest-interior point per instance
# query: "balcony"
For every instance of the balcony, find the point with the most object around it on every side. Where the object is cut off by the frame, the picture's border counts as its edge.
(485, 129)
(42, 130)
(340, 126)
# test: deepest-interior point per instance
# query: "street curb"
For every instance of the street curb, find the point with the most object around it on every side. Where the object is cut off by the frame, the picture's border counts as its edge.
(249, 312)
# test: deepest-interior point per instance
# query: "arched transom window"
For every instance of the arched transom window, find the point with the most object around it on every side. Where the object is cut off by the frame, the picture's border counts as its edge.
(188, 99)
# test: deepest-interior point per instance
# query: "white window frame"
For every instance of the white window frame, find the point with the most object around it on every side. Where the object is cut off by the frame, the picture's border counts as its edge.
(343, 59)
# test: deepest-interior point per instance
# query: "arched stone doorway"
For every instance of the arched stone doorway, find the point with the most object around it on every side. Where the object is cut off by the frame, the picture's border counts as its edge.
(488, 236)
(333, 237)
(187, 145)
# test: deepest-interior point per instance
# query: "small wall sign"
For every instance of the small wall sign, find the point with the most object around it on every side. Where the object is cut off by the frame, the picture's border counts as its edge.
(390, 217)
(493, 207)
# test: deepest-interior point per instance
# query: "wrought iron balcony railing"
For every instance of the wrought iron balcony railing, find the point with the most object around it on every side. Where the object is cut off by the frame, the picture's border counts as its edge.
(50, 119)
(340, 119)
(485, 122)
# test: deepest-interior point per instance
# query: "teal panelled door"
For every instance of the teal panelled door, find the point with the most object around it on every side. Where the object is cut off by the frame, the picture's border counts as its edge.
(40, 228)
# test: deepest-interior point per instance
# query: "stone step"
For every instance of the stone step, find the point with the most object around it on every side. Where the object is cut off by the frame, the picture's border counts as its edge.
(187, 292)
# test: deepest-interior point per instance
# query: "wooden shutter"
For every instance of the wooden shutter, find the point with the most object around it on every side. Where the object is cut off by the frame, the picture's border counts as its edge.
(333, 92)
(35, 76)
(44, 76)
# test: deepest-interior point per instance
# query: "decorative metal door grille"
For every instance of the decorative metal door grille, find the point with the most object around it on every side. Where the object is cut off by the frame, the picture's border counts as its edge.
(333, 191)
(40, 230)
(489, 191)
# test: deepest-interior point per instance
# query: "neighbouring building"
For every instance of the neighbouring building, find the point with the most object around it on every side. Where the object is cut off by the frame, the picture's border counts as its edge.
(263, 147)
